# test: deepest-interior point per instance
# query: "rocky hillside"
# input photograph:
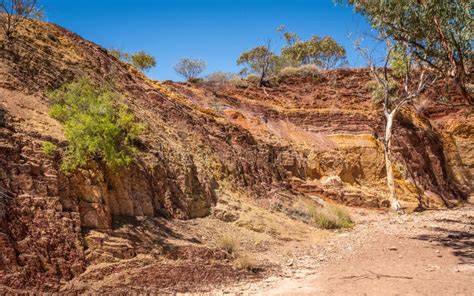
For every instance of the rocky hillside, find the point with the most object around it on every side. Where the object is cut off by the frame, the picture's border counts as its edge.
(303, 138)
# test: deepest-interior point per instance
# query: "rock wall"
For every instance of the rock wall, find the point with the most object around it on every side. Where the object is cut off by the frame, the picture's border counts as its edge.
(40, 241)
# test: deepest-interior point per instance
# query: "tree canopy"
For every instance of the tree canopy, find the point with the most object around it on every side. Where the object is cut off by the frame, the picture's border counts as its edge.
(437, 32)
(323, 52)
(141, 60)
(260, 61)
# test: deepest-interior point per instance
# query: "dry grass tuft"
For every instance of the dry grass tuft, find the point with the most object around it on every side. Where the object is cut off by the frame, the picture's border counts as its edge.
(245, 262)
(302, 71)
(228, 244)
(330, 217)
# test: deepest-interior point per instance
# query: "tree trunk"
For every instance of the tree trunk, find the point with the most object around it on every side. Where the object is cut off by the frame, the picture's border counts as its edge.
(394, 203)
(458, 81)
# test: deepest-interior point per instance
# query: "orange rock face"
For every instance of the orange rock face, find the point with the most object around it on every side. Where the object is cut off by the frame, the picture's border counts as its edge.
(313, 137)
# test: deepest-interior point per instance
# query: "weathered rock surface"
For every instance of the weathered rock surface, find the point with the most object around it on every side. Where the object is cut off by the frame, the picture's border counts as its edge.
(314, 137)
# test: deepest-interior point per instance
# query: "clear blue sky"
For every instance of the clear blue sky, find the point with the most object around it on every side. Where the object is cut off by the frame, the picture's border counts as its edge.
(214, 30)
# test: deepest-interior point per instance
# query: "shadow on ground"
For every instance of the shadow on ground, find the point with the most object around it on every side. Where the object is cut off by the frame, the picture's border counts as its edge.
(461, 242)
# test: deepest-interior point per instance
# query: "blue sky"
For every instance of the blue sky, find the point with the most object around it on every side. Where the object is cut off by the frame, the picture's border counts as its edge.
(214, 30)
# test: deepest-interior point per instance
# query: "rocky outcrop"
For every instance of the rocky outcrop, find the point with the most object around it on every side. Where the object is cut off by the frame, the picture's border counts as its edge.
(335, 130)
(40, 241)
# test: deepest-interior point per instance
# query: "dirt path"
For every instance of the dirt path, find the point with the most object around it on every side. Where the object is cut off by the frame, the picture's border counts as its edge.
(430, 253)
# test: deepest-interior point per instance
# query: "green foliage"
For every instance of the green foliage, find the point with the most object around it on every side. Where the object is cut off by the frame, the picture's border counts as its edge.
(143, 61)
(324, 52)
(49, 149)
(400, 62)
(96, 125)
(190, 69)
(261, 61)
(437, 32)
(120, 55)
(330, 217)
(291, 38)
(378, 92)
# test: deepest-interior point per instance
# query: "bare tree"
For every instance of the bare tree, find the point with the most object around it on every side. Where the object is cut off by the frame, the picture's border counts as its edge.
(190, 69)
(398, 83)
(13, 13)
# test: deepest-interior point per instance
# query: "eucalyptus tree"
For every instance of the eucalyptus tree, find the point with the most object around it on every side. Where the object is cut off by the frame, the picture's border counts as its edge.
(400, 81)
(261, 61)
(437, 32)
(323, 52)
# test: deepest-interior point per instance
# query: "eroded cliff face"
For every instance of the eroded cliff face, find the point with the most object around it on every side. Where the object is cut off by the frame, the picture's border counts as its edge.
(305, 137)
(337, 131)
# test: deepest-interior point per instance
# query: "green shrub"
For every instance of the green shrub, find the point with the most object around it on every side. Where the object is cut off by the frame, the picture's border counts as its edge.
(49, 149)
(96, 125)
(143, 61)
(330, 217)
(228, 244)
(377, 91)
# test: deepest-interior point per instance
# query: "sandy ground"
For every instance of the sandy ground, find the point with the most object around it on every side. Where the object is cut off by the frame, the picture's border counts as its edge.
(429, 253)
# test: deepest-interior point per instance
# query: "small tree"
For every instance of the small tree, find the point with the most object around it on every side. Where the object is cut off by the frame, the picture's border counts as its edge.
(437, 32)
(398, 83)
(190, 69)
(331, 54)
(120, 55)
(322, 52)
(143, 61)
(96, 125)
(260, 61)
(13, 12)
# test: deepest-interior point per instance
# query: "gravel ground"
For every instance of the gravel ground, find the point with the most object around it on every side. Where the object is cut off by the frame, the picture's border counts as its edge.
(414, 254)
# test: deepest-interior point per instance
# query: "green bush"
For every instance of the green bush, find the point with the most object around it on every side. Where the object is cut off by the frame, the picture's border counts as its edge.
(96, 125)
(49, 149)
(330, 217)
(143, 61)
(377, 91)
